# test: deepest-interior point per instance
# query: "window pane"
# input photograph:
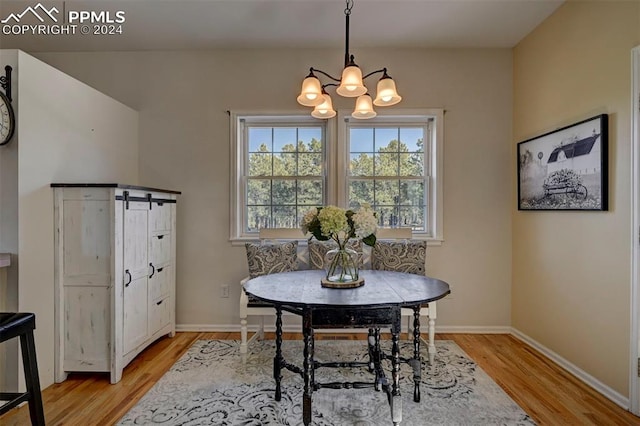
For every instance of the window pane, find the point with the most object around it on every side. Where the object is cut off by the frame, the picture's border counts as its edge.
(411, 193)
(360, 191)
(284, 192)
(361, 140)
(411, 164)
(386, 164)
(309, 164)
(387, 216)
(258, 192)
(260, 139)
(413, 138)
(284, 165)
(361, 164)
(284, 139)
(387, 192)
(384, 137)
(260, 164)
(311, 139)
(284, 217)
(310, 193)
(413, 217)
(258, 217)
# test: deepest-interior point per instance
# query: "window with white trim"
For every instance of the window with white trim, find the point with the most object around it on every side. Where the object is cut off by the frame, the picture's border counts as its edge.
(280, 171)
(391, 164)
(287, 164)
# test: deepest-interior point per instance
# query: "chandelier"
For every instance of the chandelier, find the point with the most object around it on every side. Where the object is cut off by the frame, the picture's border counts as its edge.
(351, 85)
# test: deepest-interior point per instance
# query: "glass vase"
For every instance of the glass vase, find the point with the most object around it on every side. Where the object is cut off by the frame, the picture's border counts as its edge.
(341, 265)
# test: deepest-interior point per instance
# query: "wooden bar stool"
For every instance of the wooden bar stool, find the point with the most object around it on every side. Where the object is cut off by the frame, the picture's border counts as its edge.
(22, 324)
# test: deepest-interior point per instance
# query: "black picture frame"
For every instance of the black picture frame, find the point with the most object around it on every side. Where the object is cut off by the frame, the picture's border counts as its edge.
(566, 169)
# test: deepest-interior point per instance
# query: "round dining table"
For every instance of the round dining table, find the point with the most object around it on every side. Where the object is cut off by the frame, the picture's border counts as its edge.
(374, 305)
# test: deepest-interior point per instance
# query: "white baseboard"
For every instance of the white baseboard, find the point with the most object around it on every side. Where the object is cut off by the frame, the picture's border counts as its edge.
(468, 329)
(596, 384)
(207, 328)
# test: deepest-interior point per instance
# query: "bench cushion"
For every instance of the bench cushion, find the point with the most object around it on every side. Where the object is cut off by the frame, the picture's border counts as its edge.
(271, 258)
(400, 256)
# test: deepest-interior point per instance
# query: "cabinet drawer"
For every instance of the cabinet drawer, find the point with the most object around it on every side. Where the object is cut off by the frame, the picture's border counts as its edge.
(160, 217)
(160, 248)
(160, 283)
(159, 314)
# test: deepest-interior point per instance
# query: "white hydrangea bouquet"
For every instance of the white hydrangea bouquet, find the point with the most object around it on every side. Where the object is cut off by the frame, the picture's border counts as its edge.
(340, 225)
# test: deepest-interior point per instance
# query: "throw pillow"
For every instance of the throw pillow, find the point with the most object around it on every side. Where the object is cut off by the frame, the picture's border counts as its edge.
(400, 256)
(318, 249)
(271, 258)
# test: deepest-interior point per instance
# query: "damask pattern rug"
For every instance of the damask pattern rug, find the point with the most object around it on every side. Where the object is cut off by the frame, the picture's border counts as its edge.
(210, 385)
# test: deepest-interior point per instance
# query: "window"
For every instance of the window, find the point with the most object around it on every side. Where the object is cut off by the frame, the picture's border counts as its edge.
(286, 164)
(391, 162)
(280, 165)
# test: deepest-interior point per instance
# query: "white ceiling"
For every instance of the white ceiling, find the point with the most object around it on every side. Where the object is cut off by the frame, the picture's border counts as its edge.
(206, 24)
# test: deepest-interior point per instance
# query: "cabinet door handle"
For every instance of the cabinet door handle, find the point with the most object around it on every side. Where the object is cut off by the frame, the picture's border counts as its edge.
(129, 274)
(160, 237)
(153, 270)
(160, 302)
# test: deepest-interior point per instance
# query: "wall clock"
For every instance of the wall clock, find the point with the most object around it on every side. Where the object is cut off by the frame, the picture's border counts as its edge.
(7, 120)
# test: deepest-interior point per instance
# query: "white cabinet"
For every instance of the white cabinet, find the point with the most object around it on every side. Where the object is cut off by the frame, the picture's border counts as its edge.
(115, 274)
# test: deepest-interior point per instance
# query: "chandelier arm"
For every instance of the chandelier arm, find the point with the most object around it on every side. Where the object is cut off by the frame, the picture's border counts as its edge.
(324, 73)
(384, 70)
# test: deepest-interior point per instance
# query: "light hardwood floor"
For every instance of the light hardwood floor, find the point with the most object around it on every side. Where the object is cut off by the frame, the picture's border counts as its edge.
(549, 394)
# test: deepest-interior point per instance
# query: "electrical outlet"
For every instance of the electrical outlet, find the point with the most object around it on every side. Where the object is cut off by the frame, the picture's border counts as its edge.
(225, 291)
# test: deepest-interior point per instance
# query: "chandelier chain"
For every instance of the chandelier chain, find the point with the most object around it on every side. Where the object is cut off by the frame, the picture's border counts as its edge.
(347, 11)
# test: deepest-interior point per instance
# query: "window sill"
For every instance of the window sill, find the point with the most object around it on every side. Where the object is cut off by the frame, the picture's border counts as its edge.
(237, 242)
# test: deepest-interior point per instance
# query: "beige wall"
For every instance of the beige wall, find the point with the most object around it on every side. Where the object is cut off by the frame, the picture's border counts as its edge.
(182, 98)
(9, 232)
(67, 132)
(571, 270)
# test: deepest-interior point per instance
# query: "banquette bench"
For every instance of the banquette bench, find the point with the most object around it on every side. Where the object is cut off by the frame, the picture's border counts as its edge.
(400, 237)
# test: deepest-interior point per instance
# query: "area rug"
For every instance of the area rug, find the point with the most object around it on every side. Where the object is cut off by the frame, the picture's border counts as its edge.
(210, 385)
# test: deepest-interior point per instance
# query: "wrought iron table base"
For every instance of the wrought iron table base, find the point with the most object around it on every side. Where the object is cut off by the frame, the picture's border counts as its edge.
(374, 319)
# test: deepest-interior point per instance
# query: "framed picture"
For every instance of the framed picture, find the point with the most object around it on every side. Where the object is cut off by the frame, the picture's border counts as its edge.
(565, 169)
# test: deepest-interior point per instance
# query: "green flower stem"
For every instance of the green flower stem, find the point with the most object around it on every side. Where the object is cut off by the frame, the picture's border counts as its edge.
(346, 266)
